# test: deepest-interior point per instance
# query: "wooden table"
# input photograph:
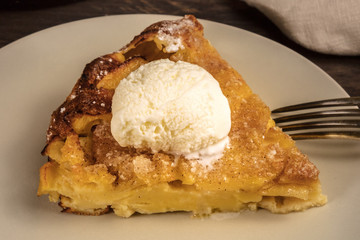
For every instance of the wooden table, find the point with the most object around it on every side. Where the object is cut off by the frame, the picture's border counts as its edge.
(18, 19)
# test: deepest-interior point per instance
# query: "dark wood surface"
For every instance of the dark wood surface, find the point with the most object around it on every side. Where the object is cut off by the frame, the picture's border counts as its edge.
(19, 18)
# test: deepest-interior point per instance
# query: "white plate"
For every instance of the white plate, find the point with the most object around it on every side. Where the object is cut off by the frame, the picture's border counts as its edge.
(37, 73)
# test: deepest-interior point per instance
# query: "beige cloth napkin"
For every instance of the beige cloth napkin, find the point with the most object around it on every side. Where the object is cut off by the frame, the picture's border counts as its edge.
(326, 26)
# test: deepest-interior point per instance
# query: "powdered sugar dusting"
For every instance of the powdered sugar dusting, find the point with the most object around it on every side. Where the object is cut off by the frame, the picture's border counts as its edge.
(169, 33)
(271, 154)
(102, 73)
(173, 44)
(72, 96)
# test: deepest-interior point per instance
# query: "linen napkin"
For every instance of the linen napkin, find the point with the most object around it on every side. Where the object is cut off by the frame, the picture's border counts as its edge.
(325, 26)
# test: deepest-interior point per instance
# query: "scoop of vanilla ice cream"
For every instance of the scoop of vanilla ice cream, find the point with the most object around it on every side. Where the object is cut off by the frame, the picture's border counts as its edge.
(176, 107)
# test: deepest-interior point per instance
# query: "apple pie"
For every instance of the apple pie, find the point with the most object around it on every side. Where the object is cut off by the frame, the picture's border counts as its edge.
(90, 171)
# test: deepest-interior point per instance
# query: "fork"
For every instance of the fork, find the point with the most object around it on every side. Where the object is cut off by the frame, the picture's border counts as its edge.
(339, 123)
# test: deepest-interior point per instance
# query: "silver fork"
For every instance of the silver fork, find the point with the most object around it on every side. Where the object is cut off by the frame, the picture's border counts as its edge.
(332, 123)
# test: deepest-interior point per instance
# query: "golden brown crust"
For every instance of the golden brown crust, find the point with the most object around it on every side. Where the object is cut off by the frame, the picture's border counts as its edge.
(91, 212)
(89, 97)
(260, 156)
(183, 28)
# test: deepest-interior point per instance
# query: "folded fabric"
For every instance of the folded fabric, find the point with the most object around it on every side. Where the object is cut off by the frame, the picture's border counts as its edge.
(326, 26)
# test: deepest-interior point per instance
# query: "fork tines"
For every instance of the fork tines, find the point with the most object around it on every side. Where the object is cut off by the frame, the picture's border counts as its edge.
(337, 102)
(340, 123)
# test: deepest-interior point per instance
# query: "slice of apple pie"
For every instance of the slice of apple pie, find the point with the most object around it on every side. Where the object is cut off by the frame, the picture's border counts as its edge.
(165, 124)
